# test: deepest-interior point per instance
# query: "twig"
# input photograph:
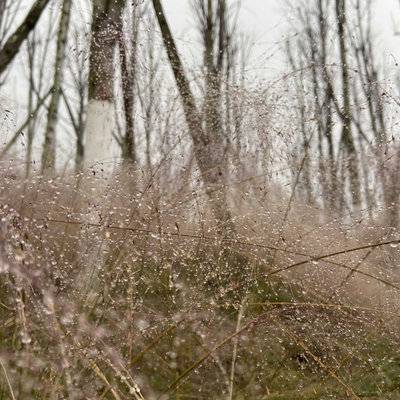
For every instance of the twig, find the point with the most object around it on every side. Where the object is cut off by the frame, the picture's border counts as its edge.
(351, 250)
(8, 380)
(249, 244)
(235, 348)
(200, 361)
(24, 125)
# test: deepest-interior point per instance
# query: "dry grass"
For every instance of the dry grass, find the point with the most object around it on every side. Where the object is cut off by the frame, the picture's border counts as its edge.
(122, 292)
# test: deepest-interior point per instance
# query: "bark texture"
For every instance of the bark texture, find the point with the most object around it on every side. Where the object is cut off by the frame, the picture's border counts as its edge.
(106, 23)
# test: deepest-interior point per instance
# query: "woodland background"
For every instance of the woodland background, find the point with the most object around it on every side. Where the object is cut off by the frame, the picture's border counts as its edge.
(178, 226)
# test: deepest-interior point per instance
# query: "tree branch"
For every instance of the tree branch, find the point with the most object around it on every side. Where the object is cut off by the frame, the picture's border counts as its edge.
(11, 48)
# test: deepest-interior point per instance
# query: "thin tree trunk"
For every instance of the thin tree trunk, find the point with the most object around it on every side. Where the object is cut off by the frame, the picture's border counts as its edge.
(3, 5)
(128, 71)
(347, 136)
(213, 123)
(31, 93)
(49, 147)
(149, 109)
(208, 149)
(327, 107)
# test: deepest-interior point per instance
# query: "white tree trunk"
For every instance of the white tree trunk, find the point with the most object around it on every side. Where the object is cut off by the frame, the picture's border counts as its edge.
(99, 143)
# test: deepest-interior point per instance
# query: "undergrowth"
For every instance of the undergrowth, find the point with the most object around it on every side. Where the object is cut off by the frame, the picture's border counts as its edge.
(108, 295)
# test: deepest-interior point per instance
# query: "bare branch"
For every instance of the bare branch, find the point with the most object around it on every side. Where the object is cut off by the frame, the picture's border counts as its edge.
(11, 48)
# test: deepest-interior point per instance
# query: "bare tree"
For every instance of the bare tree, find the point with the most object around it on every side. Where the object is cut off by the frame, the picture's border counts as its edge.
(302, 167)
(148, 91)
(100, 123)
(11, 47)
(49, 146)
(78, 72)
(31, 51)
(322, 50)
(128, 48)
(209, 148)
(347, 136)
(3, 8)
(212, 24)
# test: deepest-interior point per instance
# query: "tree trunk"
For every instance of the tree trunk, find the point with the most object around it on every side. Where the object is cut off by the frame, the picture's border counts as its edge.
(208, 149)
(128, 72)
(3, 4)
(49, 147)
(31, 93)
(347, 136)
(99, 132)
(100, 122)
